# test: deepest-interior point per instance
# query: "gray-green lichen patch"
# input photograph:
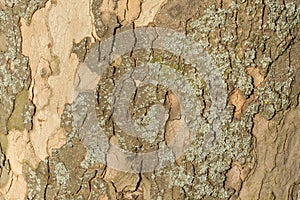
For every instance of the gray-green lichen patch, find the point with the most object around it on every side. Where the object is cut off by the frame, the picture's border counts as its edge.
(67, 123)
(61, 173)
(25, 9)
(14, 70)
(143, 100)
(239, 36)
(3, 142)
(62, 177)
(27, 115)
(16, 120)
(36, 180)
(105, 22)
(81, 48)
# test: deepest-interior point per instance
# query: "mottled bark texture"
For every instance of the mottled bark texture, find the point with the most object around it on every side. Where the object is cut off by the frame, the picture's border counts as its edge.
(255, 47)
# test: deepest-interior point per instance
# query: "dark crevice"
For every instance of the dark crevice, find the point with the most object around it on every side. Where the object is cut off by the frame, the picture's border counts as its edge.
(48, 179)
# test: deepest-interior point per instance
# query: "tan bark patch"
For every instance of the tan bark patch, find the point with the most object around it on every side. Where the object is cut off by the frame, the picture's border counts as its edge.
(2, 41)
(103, 197)
(140, 12)
(121, 179)
(233, 178)
(277, 158)
(256, 75)
(2, 5)
(177, 136)
(127, 182)
(238, 100)
(128, 10)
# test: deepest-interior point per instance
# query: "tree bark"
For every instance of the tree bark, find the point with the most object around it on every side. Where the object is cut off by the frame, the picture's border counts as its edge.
(227, 110)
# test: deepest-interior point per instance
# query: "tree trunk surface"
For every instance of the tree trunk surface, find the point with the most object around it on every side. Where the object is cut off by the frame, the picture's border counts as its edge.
(203, 103)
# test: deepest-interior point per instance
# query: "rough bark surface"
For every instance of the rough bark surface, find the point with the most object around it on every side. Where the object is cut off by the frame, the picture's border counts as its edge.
(254, 44)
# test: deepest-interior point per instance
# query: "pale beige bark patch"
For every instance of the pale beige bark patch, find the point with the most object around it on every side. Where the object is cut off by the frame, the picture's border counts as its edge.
(19, 151)
(15, 189)
(56, 141)
(148, 11)
(53, 66)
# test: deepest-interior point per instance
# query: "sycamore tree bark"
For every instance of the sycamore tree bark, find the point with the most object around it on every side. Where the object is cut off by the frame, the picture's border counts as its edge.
(247, 148)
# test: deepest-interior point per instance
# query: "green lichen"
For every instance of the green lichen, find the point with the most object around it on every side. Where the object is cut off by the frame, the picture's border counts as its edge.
(3, 142)
(232, 58)
(81, 48)
(16, 119)
(61, 173)
(103, 29)
(14, 69)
